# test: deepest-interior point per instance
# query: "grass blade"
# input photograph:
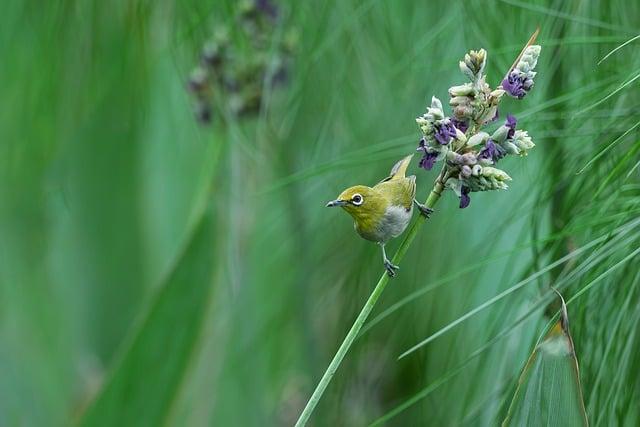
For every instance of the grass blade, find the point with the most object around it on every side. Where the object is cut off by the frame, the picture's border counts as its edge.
(549, 391)
(618, 48)
(143, 386)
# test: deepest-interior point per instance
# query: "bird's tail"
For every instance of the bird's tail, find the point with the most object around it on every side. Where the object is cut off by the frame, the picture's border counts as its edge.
(399, 169)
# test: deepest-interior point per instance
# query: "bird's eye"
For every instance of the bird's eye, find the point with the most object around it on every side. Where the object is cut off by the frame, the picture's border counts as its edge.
(356, 199)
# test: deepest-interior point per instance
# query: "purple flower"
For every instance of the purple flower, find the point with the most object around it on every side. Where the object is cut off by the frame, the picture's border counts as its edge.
(517, 85)
(492, 151)
(428, 159)
(445, 131)
(461, 125)
(511, 124)
(464, 197)
(268, 8)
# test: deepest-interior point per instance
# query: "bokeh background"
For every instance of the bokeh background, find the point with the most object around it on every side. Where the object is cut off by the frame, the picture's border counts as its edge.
(190, 275)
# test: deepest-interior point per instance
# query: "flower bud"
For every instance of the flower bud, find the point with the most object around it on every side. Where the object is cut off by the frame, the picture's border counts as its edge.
(198, 80)
(462, 112)
(453, 157)
(523, 141)
(455, 185)
(460, 136)
(487, 114)
(489, 179)
(510, 147)
(436, 104)
(462, 90)
(477, 139)
(466, 70)
(474, 63)
(500, 135)
(203, 112)
(469, 159)
(212, 55)
(465, 171)
(495, 95)
(422, 121)
(529, 59)
(499, 174)
(519, 81)
(485, 161)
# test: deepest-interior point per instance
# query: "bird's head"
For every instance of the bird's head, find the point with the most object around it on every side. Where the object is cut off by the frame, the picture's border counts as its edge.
(361, 202)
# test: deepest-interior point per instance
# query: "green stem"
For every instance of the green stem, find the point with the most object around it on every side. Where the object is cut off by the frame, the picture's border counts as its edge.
(434, 196)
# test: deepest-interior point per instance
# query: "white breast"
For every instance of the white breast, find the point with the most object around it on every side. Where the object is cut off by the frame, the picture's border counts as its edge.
(394, 222)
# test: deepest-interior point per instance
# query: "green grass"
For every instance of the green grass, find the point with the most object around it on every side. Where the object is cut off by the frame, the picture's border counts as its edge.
(104, 176)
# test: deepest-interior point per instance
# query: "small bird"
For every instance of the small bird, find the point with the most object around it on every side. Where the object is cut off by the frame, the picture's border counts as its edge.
(383, 211)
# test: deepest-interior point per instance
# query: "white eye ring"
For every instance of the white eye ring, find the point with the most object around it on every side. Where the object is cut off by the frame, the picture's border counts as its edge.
(357, 199)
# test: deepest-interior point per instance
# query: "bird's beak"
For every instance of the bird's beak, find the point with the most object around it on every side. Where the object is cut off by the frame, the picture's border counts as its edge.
(334, 203)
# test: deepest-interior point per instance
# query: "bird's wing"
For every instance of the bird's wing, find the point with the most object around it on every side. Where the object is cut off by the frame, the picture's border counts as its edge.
(399, 170)
(399, 191)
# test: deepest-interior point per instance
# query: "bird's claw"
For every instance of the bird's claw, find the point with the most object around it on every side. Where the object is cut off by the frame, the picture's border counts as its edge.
(424, 211)
(391, 268)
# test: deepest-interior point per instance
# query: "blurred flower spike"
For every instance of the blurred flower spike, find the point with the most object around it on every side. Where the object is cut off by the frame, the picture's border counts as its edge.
(242, 62)
(469, 153)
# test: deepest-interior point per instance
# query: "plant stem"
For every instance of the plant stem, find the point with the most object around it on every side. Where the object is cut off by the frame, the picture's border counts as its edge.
(433, 197)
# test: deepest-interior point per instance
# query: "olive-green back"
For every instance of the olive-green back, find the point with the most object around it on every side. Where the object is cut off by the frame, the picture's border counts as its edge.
(399, 189)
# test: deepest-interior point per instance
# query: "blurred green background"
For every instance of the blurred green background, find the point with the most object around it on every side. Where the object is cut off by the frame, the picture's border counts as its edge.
(195, 271)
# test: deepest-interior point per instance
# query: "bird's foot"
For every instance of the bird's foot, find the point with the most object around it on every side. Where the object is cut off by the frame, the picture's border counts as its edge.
(391, 268)
(424, 211)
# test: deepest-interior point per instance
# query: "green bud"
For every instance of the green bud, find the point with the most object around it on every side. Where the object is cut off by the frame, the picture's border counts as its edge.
(495, 95)
(463, 112)
(477, 139)
(455, 185)
(485, 161)
(510, 147)
(462, 106)
(460, 136)
(499, 174)
(474, 63)
(236, 103)
(462, 90)
(469, 159)
(486, 183)
(529, 59)
(500, 135)
(291, 41)
(488, 113)
(459, 100)
(198, 80)
(454, 157)
(523, 141)
(422, 121)
(466, 70)
(434, 113)
(221, 36)
(436, 104)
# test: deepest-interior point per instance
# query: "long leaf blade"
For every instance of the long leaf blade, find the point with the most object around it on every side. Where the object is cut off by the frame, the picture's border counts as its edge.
(143, 386)
(549, 391)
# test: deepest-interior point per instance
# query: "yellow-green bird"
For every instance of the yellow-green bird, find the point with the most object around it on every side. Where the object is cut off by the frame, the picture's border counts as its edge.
(383, 211)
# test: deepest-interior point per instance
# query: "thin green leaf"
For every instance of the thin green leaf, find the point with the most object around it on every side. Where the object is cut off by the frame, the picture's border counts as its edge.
(622, 86)
(566, 16)
(143, 386)
(549, 391)
(618, 48)
(422, 394)
(608, 147)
